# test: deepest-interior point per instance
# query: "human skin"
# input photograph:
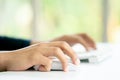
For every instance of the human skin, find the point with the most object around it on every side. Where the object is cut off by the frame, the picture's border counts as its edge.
(37, 54)
(81, 38)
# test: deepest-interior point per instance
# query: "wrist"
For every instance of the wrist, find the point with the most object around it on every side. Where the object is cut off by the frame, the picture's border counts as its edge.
(2, 62)
(4, 58)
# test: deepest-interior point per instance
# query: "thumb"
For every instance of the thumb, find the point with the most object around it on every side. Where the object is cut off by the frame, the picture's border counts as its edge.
(44, 64)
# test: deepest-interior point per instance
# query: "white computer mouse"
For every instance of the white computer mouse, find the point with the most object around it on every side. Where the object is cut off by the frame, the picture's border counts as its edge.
(78, 48)
(57, 66)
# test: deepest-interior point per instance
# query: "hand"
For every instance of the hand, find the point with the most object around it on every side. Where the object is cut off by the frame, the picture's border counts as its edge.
(83, 39)
(39, 54)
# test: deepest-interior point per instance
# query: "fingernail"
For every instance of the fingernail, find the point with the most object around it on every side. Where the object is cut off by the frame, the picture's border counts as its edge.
(77, 62)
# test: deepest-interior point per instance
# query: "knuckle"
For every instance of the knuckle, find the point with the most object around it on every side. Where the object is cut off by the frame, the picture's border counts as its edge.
(63, 43)
(56, 50)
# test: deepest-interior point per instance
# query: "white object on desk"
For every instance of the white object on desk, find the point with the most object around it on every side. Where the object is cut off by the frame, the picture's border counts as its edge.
(93, 56)
(57, 66)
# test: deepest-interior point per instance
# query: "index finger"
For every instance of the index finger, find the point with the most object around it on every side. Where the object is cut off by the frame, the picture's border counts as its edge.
(57, 52)
(66, 48)
(88, 40)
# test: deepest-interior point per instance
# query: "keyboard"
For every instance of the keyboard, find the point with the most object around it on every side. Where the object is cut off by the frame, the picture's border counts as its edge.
(102, 52)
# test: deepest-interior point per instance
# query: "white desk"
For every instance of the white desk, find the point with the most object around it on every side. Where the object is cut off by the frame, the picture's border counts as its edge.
(107, 70)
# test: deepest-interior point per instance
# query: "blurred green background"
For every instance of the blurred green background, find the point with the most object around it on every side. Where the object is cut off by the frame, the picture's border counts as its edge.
(47, 19)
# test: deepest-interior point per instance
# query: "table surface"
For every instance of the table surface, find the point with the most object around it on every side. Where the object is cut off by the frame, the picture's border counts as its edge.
(106, 70)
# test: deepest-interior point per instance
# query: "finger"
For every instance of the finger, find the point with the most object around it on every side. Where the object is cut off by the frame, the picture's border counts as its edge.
(66, 48)
(88, 40)
(68, 38)
(44, 62)
(43, 68)
(61, 56)
(57, 52)
(83, 42)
